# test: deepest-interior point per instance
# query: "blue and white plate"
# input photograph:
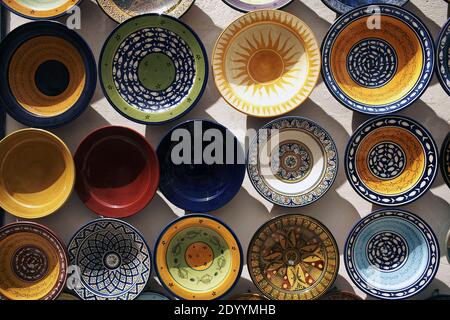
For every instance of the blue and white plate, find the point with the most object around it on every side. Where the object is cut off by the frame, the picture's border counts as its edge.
(391, 254)
(443, 57)
(112, 260)
(344, 6)
(445, 160)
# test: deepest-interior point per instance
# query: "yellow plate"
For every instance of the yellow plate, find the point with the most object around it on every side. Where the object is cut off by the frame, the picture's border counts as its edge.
(37, 173)
(266, 63)
(38, 9)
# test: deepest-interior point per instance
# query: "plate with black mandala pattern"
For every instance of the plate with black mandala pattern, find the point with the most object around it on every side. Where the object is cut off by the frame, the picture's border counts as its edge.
(292, 161)
(198, 258)
(391, 254)
(391, 160)
(293, 257)
(344, 6)
(378, 62)
(443, 57)
(445, 160)
(153, 69)
(113, 260)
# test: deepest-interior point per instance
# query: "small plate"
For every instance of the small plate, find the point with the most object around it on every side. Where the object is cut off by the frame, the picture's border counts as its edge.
(293, 257)
(113, 258)
(122, 10)
(192, 182)
(340, 295)
(117, 172)
(378, 69)
(37, 173)
(33, 262)
(292, 162)
(252, 5)
(443, 57)
(445, 160)
(152, 296)
(48, 75)
(391, 254)
(38, 9)
(266, 63)
(198, 258)
(391, 160)
(344, 6)
(153, 69)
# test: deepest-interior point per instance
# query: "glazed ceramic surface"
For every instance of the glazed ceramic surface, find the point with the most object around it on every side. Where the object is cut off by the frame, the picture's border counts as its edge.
(113, 258)
(445, 160)
(293, 257)
(196, 183)
(252, 5)
(378, 69)
(153, 69)
(391, 160)
(117, 172)
(198, 258)
(292, 161)
(40, 9)
(443, 57)
(340, 295)
(37, 173)
(152, 296)
(33, 262)
(391, 254)
(49, 75)
(266, 63)
(344, 6)
(121, 10)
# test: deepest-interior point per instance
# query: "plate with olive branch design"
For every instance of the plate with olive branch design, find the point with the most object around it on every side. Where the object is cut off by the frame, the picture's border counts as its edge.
(293, 257)
(443, 57)
(198, 258)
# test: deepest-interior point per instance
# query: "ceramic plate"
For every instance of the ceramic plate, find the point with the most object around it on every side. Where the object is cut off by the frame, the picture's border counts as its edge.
(344, 6)
(445, 160)
(33, 262)
(391, 160)
(391, 254)
(196, 180)
(443, 57)
(378, 69)
(152, 296)
(37, 173)
(48, 76)
(113, 258)
(292, 161)
(153, 69)
(340, 295)
(117, 172)
(198, 258)
(252, 5)
(293, 257)
(38, 9)
(266, 63)
(121, 10)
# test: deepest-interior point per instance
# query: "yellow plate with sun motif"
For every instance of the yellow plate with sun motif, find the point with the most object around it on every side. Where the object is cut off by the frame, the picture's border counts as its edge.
(198, 258)
(266, 63)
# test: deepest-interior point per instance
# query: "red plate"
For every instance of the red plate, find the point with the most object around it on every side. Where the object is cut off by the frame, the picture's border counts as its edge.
(117, 172)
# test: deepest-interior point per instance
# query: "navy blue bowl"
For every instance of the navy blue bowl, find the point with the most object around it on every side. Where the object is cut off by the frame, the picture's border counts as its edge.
(13, 41)
(194, 183)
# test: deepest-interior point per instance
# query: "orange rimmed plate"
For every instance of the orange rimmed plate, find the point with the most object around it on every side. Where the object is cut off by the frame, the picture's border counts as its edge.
(37, 173)
(266, 63)
(38, 9)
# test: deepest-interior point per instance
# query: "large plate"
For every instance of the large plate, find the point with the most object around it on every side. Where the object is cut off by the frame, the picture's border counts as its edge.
(252, 5)
(443, 57)
(38, 9)
(344, 6)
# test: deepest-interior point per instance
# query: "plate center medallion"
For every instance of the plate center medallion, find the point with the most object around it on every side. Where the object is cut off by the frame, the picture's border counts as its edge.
(112, 260)
(156, 71)
(52, 78)
(30, 264)
(387, 251)
(265, 66)
(292, 162)
(386, 160)
(199, 256)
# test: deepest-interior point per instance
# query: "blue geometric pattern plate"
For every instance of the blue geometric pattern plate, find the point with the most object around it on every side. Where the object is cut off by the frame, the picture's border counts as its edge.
(391, 254)
(443, 57)
(445, 160)
(113, 260)
(344, 6)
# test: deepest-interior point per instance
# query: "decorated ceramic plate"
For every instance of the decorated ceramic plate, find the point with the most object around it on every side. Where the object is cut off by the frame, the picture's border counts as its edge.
(293, 257)
(202, 166)
(48, 76)
(445, 160)
(39, 9)
(33, 262)
(292, 161)
(391, 160)
(153, 69)
(113, 258)
(378, 69)
(391, 254)
(198, 258)
(344, 6)
(340, 295)
(152, 296)
(37, 173)
(248, 296)
(117, 172)
(252, 5)
(266, 63)
(443, 57)
(121, 10)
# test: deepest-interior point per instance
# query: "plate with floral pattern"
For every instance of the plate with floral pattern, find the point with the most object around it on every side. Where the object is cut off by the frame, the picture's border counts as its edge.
(443, 57)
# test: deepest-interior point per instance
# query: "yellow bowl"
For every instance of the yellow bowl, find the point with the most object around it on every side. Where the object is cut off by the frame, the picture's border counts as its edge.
(37, 173)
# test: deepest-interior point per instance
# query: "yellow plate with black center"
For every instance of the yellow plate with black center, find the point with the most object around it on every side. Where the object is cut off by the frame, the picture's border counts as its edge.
(33, 262)
(40, 9)
(198, 258)
(266, 63)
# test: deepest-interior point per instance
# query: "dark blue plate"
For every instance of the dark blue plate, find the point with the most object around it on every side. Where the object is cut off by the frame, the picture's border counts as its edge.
(344, 6)
(192, 183)
(443, 57)
(50, 70)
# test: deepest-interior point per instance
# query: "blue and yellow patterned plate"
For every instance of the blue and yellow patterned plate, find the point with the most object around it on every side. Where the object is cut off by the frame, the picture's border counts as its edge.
(391, 254)
(113, 261)
(443, 57)
(344, 6)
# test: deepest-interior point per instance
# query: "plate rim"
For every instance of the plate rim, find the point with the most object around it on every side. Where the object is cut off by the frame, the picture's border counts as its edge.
(278, 7)
(77, 3)
(444, 151)
(444, 30)
(340, 12)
